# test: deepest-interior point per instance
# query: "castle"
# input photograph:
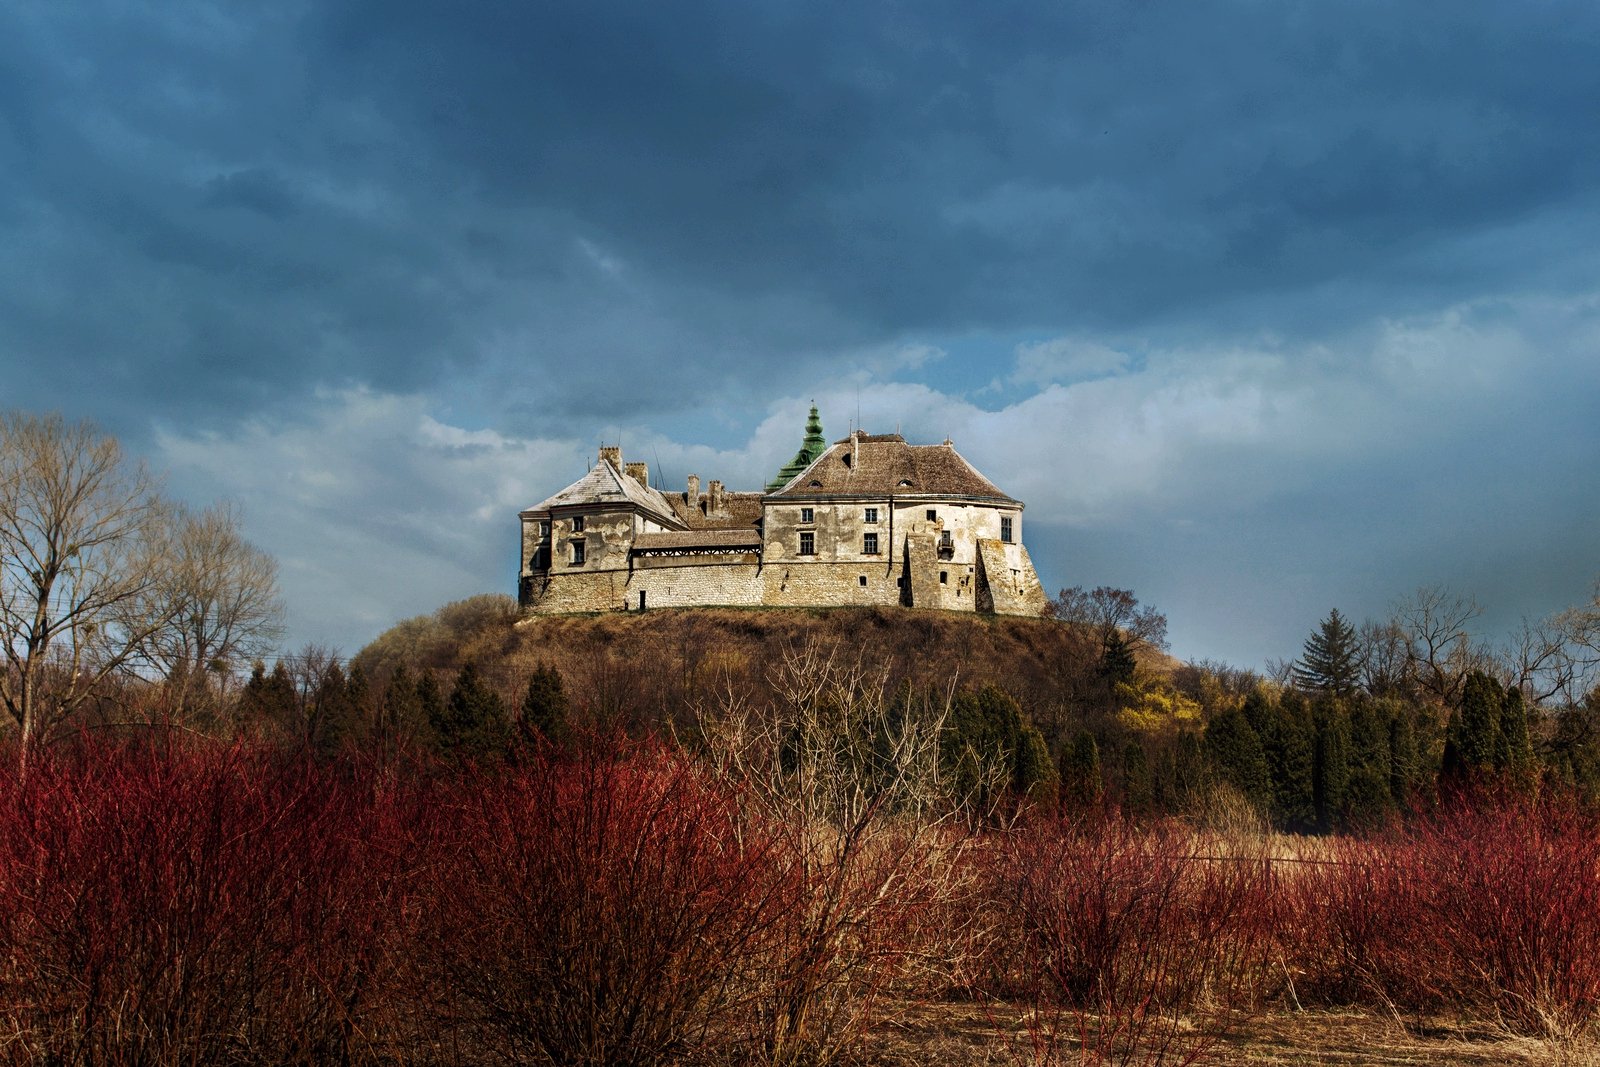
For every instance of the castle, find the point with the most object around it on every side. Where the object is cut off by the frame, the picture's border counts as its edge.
(868, 520)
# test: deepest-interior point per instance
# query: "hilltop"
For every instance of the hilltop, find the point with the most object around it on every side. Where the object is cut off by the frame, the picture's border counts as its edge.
(651, 665)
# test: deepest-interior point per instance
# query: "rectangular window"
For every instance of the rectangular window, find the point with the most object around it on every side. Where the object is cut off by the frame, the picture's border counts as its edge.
(944, 577)
(544, 527)
(577, 524)
(872, 515)
(808, 543)
(869, 544)
(863, 579)
(933, 516)
(1005, 529)
(807, 515)
(577, 553)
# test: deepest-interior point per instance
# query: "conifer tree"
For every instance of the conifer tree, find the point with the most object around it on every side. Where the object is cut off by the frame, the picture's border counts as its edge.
(474, 724)
(1117, 664)
(1331, 662)
(333, 722)
(544, 708)
(1290, 746)
(1404, 761)
(431, 709)
(1369, 800)
(1236, 753)
(1081, 786)
(1137, 792)
(1475, 744)
(1332, 782)
(402, 723)
(268, 700)
(1514, 731)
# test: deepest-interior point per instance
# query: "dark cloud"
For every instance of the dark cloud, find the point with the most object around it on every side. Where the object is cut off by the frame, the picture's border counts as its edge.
(561, 220)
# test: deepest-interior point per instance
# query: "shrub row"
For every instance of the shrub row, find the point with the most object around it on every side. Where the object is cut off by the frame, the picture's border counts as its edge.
(210, 905)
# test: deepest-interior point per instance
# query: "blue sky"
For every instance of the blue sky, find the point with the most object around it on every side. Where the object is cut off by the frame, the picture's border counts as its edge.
(1262, 308)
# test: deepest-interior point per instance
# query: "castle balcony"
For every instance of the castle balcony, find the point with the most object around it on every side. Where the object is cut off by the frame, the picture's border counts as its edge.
(947, 546)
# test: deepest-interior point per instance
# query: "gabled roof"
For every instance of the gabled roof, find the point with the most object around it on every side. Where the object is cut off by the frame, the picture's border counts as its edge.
(884, 464)
(605, 486)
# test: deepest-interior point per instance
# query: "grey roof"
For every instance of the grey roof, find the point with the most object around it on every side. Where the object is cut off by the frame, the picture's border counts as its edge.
(884, 465)
(605, 485)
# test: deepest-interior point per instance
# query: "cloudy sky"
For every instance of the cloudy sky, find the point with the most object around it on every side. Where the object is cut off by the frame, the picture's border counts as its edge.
(1262, 308)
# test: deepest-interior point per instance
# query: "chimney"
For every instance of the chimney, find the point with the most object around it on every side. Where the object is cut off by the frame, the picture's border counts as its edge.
(611, 454)
(714, 498)
(694, 491)
(640, 472)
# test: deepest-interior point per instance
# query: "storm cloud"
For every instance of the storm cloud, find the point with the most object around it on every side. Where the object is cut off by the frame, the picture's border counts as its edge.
(1261, 308)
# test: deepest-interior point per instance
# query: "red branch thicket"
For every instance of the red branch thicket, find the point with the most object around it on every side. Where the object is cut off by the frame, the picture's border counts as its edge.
(631, 903)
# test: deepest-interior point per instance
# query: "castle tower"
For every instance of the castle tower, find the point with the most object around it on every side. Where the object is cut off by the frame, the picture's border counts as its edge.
(813, 446)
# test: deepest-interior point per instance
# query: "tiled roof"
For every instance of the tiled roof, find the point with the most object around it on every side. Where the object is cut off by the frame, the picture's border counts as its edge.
(603, 485)
(750, 538)
(883, 464)
(738, 510)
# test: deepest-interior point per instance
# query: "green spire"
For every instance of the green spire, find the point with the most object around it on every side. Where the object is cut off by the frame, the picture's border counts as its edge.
(814, 445)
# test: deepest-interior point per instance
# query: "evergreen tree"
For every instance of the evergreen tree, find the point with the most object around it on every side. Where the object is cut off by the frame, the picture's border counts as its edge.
(1331, 662)
(988, 740)
(431, 709)
(1081, 786)
(1189, 778)
(1117, 664)
(1236, 753)
(474, 723)
(1514, 731)
(1138, 794)
(1404, 761)
(402, 722)
(1290, 746)
(268, 700)
(1475, 744)
(1369, 800)
(1332, 780)
(333, 721)
(544, 708)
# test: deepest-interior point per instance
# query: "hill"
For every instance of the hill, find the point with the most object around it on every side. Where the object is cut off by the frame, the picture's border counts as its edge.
(654, 666)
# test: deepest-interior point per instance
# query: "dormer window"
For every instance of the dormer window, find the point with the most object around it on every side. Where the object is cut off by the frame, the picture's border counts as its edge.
(905, 483)
(846, 458)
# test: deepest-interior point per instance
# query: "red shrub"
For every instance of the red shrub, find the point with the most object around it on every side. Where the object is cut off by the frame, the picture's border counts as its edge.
(187, 907)
(1515, 907)
(600, 911)
(1117, 932)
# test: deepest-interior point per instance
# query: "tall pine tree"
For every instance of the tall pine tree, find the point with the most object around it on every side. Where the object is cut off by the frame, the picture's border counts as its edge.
(1331, 662)
(474, 725)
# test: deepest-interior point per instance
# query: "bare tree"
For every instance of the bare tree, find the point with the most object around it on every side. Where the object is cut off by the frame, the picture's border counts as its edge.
(1108, 612)
(1385, 658)
(1440, 649)
(225, 606)
(852, 775)
(83, 566)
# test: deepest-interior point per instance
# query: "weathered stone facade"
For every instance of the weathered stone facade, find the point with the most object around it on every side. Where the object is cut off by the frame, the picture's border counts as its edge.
(868, 520)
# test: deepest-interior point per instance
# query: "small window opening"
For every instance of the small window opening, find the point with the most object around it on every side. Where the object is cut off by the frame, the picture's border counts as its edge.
(863, 580)
(944, 577)
(808, 543)
(869, 544)
(933, 516)
(872, 515)
(578, 553)
(808, 515)
(577, 524)
(1005, 529)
